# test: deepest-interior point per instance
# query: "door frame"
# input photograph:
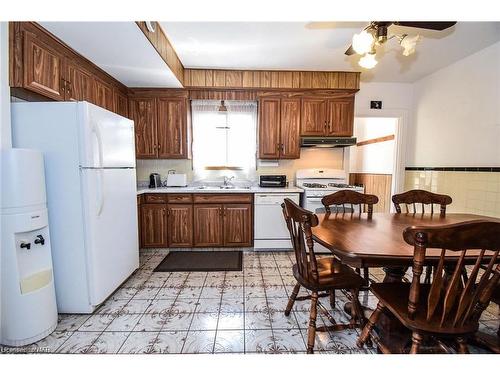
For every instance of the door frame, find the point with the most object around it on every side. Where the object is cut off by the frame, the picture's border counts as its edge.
(400, 146)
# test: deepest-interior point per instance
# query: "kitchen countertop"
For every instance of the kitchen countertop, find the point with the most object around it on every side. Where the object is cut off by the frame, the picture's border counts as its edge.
(215, 189)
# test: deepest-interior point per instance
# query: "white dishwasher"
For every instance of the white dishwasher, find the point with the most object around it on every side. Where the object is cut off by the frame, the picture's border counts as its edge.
(270, 230)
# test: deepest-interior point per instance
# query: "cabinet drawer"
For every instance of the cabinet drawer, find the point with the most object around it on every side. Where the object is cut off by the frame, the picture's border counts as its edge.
(179, 198)
(140, 199)
(222, 198)
(155, 198)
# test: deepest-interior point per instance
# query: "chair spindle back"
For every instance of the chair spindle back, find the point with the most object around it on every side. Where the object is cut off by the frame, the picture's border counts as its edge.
(299, 223)
(421, 197)
(350, 197)
(451, 301)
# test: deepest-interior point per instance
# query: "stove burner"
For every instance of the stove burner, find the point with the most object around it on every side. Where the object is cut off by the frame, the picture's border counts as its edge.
(342, 186)
(313, 185)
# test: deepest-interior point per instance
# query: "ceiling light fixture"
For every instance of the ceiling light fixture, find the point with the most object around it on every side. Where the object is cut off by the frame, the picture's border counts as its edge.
(409, 43)
(368, 61)
(363, 42)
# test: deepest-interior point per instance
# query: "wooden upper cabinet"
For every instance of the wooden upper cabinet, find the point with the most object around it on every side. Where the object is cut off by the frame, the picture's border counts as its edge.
(237, 224)
(120, 103)
(290, 129)
(269, 128)
(143, 112)
(341, 117)
(103, 94)
(172, 128)
(79, 83)
(313, 119)
(208, 225)
(154, 225)
(43, 68)
(180, 225)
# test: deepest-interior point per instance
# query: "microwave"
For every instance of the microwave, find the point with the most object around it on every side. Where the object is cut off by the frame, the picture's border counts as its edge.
(272, 181)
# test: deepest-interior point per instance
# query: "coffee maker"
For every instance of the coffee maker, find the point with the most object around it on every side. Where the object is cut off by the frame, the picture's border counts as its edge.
(154, 180)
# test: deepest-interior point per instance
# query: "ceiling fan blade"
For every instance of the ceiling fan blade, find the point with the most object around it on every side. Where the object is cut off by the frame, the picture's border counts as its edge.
(427, 25)
(350, 51)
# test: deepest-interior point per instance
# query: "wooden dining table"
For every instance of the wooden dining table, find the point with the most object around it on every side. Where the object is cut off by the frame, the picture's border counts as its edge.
(378, 242)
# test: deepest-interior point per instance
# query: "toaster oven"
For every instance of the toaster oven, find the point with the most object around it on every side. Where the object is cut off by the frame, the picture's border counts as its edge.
(272, 181)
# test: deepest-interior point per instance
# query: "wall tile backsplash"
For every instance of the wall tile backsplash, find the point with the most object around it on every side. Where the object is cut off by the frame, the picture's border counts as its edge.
(309, 158)
(472, 192)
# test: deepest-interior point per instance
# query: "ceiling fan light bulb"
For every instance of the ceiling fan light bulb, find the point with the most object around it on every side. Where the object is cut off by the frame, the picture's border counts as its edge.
(368, 61)
(409, 43)
(363, 42)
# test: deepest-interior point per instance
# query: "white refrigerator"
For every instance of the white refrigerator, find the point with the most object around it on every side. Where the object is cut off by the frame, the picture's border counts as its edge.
(89, 155)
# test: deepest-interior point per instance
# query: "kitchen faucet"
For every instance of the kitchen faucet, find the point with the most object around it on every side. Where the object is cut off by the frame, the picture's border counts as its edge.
(227, 180)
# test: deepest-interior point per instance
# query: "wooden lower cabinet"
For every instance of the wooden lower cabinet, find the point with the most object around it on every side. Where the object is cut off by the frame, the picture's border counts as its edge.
(237, 224)
(180, 225)
(154, 225)
(213, 220)
(208, 225)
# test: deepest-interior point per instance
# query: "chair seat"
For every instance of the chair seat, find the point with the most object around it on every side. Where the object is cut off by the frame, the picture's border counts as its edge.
(332, 275)
(394, 296)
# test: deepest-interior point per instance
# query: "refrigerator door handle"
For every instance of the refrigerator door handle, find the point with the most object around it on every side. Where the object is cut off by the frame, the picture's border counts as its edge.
(97, 132)
(100, 189)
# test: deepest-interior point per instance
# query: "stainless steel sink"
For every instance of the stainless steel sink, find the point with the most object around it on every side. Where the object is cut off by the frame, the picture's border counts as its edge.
(227, 187)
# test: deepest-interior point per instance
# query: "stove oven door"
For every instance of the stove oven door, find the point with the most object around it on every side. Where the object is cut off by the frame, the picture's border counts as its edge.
(313, 204)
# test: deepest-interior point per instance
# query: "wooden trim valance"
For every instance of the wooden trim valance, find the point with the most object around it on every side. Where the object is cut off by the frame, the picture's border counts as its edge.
(376, 140)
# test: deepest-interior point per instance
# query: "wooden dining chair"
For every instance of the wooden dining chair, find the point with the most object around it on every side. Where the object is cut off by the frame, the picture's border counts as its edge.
(412, 199)
(318, 275)
(449, 307)
(349, 198)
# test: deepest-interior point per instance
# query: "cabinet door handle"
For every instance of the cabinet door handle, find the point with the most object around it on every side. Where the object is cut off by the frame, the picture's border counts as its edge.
(220, 211)
(159, 146)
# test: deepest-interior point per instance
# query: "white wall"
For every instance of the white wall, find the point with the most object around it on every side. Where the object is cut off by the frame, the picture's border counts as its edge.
(375, 158)
(394, 96)
(457, 114)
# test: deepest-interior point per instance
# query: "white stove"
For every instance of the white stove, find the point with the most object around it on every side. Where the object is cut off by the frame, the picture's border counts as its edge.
(320, 182)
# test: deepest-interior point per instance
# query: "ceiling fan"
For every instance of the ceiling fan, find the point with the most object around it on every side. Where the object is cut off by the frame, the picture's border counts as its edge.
(376, 33)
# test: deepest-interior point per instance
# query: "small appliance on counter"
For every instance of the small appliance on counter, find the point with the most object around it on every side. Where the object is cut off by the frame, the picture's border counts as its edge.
(28, 297)
(176, 179)
(154, 180)
(270, 181)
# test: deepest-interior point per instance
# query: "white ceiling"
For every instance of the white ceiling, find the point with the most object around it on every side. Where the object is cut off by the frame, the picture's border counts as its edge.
(119, 48)
(321, 46)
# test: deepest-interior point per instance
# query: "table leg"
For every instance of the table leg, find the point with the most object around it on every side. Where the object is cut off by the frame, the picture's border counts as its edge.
(391, 332)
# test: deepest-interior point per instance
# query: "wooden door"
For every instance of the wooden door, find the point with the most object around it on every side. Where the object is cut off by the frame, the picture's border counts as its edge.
(120, 103)
(290, 129)
(208, 225)
(269, 128)
(143, 113)
(172, 128)
(237, 224)
(79, 83)
(43, 68)
(154, 225)
(103, 94)
(180, 225)
(313, 117)
(341, 117)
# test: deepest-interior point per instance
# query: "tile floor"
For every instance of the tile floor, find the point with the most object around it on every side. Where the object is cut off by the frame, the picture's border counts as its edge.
(200, 312)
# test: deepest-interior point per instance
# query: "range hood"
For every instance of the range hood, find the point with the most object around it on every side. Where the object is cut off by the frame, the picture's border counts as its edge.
(327, 142)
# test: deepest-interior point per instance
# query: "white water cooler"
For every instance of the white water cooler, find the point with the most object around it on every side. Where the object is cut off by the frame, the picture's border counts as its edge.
(29, 311)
